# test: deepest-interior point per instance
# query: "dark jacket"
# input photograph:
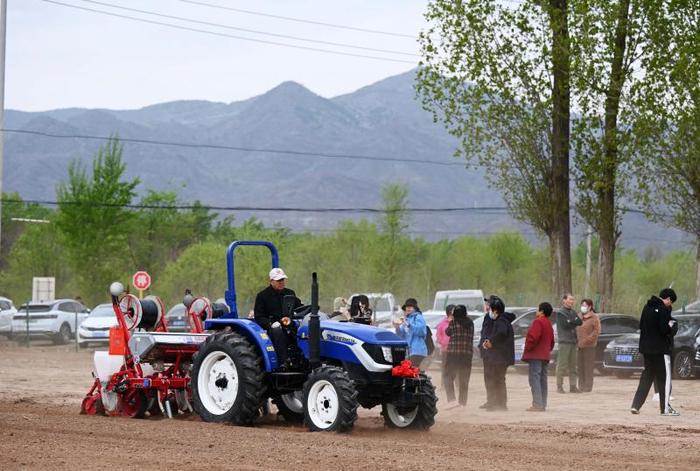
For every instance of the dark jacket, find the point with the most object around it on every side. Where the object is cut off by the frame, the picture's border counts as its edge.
(539, 341)
(657, 328)
(567, 321)
(500, 333)
(268, 305)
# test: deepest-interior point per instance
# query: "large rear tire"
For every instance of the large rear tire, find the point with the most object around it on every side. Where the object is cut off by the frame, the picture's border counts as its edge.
(227, 380)
(330, 400)
(420, 417)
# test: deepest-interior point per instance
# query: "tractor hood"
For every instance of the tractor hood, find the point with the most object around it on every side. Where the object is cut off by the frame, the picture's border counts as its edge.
(351, 330)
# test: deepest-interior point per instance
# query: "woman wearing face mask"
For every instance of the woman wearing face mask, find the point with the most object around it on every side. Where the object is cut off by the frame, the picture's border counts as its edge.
(587, 340)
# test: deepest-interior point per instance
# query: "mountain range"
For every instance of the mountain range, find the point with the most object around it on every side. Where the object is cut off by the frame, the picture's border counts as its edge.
(382, 120)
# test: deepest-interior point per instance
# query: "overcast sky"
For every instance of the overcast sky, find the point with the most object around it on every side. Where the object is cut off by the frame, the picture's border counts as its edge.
(60, 57)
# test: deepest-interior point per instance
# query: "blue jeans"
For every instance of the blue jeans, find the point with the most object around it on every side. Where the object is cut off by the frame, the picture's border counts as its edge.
(538, 382)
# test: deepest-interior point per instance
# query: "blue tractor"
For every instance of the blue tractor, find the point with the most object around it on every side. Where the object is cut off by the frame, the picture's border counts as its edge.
(332, 368)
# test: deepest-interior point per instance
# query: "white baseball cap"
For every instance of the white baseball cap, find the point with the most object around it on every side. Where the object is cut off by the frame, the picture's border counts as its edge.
(277, 274)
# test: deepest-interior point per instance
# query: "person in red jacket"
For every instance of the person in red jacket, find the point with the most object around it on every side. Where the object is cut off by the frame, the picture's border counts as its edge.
(538, 346)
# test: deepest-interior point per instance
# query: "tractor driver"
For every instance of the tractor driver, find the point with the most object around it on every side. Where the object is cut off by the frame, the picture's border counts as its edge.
(268, 311)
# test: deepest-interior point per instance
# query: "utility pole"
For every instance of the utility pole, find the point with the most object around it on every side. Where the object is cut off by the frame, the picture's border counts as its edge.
(589, 235)
(3, 36)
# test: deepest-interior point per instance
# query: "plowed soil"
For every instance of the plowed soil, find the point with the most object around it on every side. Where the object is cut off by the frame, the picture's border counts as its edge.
(40, 428)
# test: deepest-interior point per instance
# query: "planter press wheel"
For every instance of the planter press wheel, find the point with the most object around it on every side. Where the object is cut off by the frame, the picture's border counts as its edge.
(133, 403)
(92, 405)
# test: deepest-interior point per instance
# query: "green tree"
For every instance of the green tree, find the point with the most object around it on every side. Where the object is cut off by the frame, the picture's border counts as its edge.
(393, 224)
(497, 76)
(93, 221)
(611, 41)
(13, 208)
(668, 135)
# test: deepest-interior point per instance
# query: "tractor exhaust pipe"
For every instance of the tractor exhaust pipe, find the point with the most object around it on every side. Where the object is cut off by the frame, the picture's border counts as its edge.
(314, 326)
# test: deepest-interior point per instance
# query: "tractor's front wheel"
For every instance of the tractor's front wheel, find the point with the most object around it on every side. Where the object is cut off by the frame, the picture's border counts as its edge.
(421, 416)
(227, 380)
(330, 400)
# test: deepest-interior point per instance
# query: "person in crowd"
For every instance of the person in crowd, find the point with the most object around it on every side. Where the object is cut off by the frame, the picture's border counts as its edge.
(567, 321)
(443, 340)
(360, 310)
(538, 347)
(497, 349)
(340, 310)
(656, 331)
(412, 327)
(457, 360)
(587, 340)
(268, 311)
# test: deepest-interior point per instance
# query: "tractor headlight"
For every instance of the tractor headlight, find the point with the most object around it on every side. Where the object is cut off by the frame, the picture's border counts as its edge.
(386, 351)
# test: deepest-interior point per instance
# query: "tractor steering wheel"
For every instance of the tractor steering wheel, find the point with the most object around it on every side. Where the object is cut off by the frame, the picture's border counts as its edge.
(301, 311)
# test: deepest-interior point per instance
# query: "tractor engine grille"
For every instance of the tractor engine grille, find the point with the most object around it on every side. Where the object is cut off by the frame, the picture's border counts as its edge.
(398, 354)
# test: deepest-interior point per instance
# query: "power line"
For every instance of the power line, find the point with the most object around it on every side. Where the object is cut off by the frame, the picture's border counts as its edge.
(299, 20)
(225, 35)
(484, 209)
(236, 28)
(234, 148)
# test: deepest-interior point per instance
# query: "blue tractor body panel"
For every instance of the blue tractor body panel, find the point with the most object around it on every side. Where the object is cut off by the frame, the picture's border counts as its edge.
(253, 332)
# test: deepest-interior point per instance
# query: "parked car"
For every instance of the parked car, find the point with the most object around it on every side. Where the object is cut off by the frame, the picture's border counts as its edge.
(622, 355)
(177, 320)
(7, 312)
(54, 319)
(473, 299)
(612, 326)
(95, 328)
(385, 309)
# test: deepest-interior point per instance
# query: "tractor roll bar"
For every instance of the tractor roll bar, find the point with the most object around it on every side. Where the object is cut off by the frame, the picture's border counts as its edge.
(230, 295)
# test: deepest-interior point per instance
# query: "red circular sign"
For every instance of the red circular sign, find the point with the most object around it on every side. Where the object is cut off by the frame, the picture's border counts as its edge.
(141, 280)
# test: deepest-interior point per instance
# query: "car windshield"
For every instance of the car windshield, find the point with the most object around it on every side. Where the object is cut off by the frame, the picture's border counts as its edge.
(472, 303)
(177, 311)
(379, 304)
(105, 310)
(688, 326)
(35, 308)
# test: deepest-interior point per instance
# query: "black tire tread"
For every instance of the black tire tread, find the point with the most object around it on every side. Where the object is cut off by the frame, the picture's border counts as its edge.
(427, 409)
(251, 387)
(347, 394)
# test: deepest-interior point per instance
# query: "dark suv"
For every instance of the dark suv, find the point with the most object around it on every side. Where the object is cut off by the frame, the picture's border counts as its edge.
(622, 356)
(612, 326)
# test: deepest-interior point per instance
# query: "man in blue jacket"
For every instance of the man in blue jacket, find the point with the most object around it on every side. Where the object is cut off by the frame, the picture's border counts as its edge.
(497, 348)
(412, 328)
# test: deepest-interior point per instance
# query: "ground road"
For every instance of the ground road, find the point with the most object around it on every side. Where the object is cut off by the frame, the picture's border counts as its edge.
(40, 428)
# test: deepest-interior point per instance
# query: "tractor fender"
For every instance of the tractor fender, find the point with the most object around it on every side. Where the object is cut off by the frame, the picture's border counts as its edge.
(253, 332)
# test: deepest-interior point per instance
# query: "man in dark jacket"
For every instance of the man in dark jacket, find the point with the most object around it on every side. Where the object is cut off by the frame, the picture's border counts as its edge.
(268, 311)
(497, 348)
(657, 329)
(567, 363)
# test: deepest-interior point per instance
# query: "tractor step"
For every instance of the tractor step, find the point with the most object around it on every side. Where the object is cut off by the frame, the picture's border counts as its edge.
(288, 380)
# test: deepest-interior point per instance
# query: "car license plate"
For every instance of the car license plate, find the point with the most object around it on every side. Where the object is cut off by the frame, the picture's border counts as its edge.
(518, 356)
(623, 358)
(100, 333)
(177, 323)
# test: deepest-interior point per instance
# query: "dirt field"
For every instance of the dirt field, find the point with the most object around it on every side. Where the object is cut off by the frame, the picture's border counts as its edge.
(41, 389)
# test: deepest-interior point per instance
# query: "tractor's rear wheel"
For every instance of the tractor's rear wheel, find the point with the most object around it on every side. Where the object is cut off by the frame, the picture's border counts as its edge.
(420, 417)
(291, 406)
(227, 380)
(330, 400)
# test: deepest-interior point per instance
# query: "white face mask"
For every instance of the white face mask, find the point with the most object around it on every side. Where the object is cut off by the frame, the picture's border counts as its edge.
(584, 308)
(492, 315)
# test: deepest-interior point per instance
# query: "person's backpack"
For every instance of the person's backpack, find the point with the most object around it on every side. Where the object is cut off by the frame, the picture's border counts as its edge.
(429, 340)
